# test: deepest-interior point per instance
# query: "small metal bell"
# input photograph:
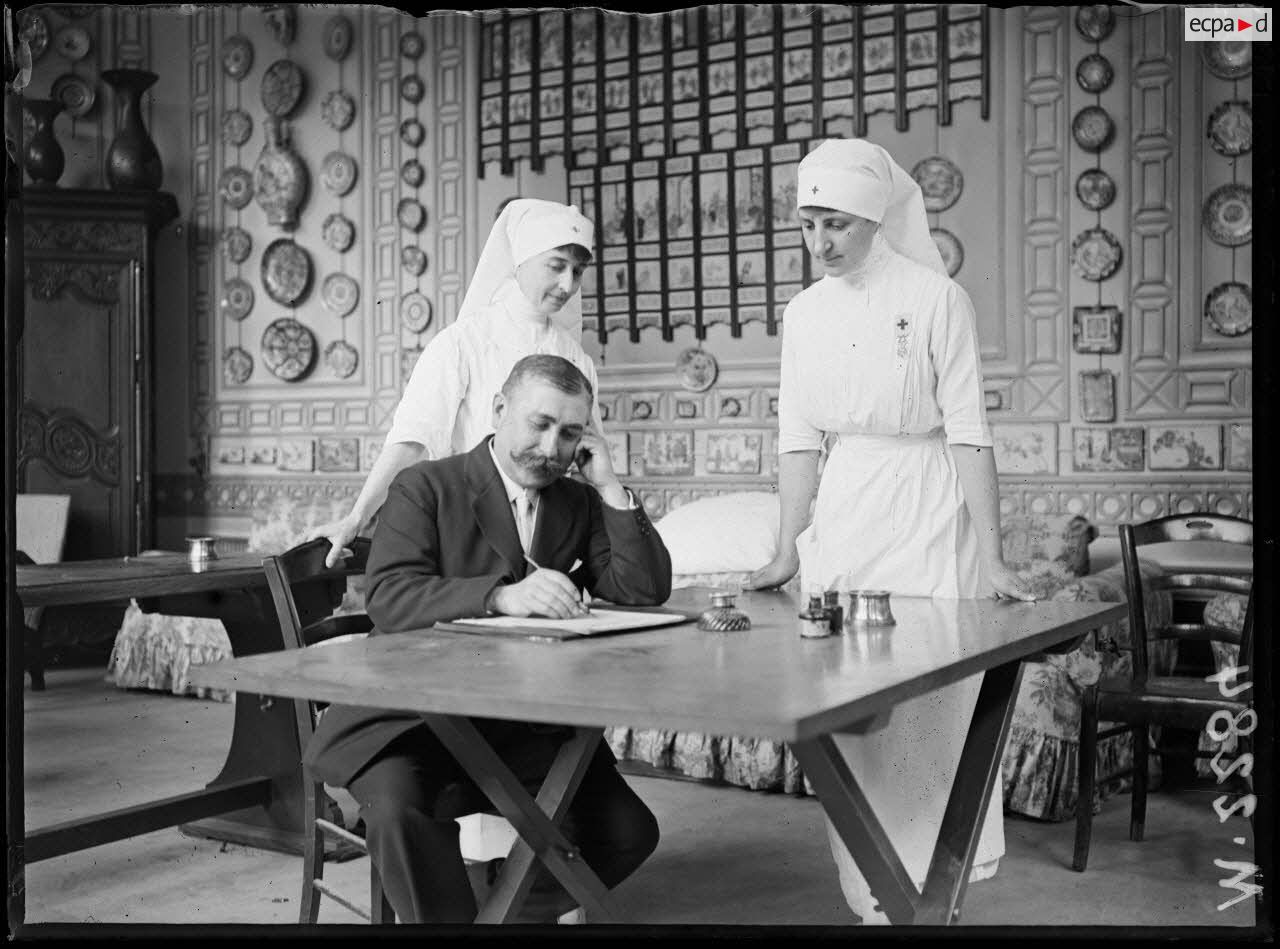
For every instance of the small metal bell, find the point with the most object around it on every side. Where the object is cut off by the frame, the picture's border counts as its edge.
(723, 616)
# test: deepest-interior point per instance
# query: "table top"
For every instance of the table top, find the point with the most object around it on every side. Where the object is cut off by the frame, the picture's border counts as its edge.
(122, 578)
(765, 681)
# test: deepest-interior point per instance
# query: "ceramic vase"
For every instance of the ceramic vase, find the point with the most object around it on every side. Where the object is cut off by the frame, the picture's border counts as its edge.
(279, 177)
(133, 162)
(43, 156)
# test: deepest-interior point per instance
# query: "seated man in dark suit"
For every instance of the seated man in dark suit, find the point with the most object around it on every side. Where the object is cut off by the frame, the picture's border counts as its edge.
(460, 537)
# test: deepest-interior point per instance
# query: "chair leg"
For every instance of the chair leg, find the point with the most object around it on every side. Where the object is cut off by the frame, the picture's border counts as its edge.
(34, 652)
(312, 855)
(1086, 765)
(1141, 759)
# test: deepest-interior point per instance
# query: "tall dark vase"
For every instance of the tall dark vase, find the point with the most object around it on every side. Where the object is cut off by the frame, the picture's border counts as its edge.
(133, 162)
(43, 156)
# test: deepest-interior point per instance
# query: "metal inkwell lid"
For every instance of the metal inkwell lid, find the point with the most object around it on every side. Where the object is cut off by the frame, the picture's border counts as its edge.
(723, 616)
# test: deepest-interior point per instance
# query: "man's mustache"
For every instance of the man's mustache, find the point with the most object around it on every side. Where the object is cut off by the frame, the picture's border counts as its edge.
(539, 463)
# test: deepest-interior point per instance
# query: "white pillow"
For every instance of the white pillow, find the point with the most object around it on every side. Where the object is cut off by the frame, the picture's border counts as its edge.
(720, 534)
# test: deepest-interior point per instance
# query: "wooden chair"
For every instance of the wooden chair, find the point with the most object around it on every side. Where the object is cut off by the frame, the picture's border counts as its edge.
(1140, 700)
(41, 527)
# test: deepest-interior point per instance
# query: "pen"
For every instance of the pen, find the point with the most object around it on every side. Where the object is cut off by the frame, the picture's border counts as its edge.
(586, 597)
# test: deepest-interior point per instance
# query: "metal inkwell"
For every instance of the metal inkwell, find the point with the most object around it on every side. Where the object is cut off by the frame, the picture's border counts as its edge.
(200, 549)
(723, 616)
(870, 608)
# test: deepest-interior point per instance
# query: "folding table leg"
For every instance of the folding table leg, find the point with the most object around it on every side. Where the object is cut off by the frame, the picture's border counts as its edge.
(463, 740)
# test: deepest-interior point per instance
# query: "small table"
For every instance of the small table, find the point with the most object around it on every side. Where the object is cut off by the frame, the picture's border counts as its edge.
(257, 796)
(766, 681)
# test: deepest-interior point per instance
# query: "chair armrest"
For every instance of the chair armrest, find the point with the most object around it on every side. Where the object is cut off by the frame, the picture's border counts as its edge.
(349, 624)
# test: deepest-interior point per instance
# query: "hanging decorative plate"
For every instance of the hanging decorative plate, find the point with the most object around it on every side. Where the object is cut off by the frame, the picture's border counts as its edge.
(412, 132)
(940, 181)
(288, 349)
(236, 187)
(1231, 128)
(415, 312)
(340, 293)
(75, 93)
(237, 126)
(338, 35)
(1094, 73)
(286, 271)
(1228, 215)
(950, 248)
(338, 110)
(1095, 254)
(341, 358)
(1227, 59)
(412, 214)
(338, 173)
(236, 244)
(412, 89)
(414, 260)
(237, 299)
(412, 173)
(1095, 21)
(1096, 189)
(696, 369)
(237, 366)
(1093, 128)
(34, 31)
(411, 45)
(282, 87)
(73, 42)
(1229, 308)
(338, 232)
(237, 56)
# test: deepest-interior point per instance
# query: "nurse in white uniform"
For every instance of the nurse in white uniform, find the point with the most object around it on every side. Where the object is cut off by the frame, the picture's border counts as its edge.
(523, 300)
(880, 357)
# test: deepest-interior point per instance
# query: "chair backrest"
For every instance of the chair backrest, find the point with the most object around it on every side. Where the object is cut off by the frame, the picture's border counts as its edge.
(306, 563)
(1193, 585)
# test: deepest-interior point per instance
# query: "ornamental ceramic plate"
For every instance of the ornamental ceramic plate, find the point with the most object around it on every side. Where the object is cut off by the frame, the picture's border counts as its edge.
(412, 89)
(1093, 128)
(696, 369)
(415, 312)
(237, 126)
(1228, 215)
(1095, 254)
(73, 42)
(414, 260)
(950, 248)
(236, 187)
(237, 366)
(34, 31)
(412, 132)
(338, 232)
(236, 244)
(1096, 189)
(286, 271)
(940, 181)
(338, 110)
(288, 349)
(338, 35)
(237, 56)
(282, 86)
(237, 299)
(1094, 73)
(1229, 308)
(1231, 128)
(338, 173)
(1095, 21)
(340, 293)
(411, 46)
(411, 214)
(1227, 59)
(412, 173)
(75, 93)
(341, 358)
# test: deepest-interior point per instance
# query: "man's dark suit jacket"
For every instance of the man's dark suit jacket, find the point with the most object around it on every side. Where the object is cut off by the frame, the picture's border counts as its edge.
(446, 536)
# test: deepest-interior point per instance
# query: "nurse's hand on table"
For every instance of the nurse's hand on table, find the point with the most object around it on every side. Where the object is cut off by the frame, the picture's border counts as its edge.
(776, 572)
(542, 593)
(1009, 584)
(340, 534)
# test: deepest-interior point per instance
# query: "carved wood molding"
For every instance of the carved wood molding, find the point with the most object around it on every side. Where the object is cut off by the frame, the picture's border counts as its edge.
(68, 444)
(91, 282)
(82, 236)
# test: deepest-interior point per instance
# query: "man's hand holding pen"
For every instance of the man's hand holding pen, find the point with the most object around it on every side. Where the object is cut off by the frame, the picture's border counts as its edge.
(544, 592)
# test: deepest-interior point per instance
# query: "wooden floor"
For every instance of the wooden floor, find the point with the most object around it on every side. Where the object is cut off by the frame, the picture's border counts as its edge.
(727, 857)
